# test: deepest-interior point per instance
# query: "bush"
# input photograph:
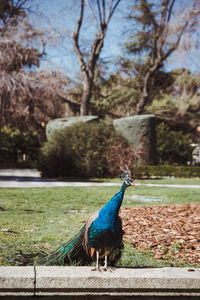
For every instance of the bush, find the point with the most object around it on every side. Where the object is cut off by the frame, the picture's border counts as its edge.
(14, 143)
(165, 171)
(80, 150)
(173, 146)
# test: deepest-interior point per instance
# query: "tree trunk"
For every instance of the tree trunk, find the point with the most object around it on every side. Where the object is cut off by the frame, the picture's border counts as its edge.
(145, 92)
(142, 104)
(86, 95)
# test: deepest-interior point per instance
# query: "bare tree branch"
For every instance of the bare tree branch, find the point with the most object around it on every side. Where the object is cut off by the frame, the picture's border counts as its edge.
(76, 39)
(99, 11)
(92, 13)
(170, 10)
(176, 44)
(88, 65)
(19, 5)
(104, 12)
(112, 11)
(110, 7)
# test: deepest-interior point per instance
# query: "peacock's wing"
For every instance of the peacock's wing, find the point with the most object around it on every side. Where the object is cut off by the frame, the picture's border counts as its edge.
(86, 245)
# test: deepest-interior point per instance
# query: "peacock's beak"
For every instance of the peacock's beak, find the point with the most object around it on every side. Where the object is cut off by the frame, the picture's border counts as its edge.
(132, 185)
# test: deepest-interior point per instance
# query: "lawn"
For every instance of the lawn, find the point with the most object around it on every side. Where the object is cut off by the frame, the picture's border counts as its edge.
(34, 221)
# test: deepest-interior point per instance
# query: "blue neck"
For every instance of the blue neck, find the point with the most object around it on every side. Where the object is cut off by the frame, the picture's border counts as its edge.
(111, 209)
(123, 188)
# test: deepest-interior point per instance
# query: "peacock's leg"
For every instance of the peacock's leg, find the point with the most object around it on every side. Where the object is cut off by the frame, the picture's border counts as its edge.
(97, 268)
(105, 267)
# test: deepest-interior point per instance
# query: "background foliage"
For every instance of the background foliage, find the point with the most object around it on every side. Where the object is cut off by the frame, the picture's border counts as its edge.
(173, 146)
(15, 143)
(157, 29)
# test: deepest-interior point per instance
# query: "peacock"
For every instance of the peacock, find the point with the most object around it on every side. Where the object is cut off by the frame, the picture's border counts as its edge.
(100, 237)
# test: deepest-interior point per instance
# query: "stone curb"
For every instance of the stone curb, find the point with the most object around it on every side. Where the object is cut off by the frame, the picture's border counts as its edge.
(81, 281)
(17, 281)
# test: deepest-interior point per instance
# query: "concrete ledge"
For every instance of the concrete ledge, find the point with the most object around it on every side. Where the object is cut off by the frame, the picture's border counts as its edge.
(17, 281)
(76, 282)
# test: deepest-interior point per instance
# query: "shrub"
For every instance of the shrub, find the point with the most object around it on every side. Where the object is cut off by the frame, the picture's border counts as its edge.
(173, 146)
(80, 150)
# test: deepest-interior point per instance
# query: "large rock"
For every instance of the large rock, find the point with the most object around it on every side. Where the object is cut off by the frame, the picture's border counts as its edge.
(140, 130)
(58, 124)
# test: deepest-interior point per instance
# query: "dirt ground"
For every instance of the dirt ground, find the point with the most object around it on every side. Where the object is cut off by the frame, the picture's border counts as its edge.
(166, 230)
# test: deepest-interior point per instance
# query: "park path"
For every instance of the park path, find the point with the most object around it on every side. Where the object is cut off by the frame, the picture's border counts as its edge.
(30, 178)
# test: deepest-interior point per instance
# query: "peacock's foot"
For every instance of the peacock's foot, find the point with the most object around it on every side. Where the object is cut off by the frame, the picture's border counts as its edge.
(96, 269)
(107, 269)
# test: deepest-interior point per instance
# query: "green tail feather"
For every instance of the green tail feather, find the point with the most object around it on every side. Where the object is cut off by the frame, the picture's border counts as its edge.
(71, 253)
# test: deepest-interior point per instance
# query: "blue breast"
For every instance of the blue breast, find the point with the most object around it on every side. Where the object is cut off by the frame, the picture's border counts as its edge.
(106, 230)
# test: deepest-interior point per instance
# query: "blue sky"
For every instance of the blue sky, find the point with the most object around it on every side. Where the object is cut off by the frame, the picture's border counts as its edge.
(58, 19)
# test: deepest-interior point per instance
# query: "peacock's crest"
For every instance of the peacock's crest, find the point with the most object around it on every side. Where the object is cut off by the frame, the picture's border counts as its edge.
(124, 175)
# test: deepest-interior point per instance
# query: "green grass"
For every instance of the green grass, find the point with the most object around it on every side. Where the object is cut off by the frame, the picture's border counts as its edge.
(41, 219)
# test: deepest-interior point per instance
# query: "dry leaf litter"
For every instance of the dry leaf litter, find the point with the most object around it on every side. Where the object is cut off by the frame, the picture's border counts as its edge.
(166, 230)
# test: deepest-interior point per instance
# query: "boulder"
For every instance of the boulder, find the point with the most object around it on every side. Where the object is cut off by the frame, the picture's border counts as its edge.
(140, 129)
(58, 124)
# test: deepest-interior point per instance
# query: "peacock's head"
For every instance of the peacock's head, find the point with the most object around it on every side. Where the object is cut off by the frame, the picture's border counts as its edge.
(127, 181)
